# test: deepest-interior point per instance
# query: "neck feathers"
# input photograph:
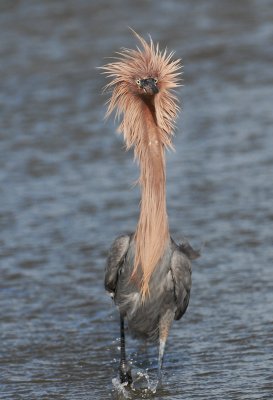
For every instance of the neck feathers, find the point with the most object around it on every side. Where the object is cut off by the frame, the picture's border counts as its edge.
(152, 233)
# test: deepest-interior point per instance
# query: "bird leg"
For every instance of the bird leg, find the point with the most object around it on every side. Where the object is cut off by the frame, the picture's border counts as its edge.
(162, 343)
(124, 369)
(164, 327)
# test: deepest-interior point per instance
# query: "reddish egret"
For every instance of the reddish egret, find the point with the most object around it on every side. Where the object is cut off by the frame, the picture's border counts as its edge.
(147, 273)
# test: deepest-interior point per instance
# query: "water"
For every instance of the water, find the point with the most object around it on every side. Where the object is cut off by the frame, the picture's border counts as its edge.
(66, 193)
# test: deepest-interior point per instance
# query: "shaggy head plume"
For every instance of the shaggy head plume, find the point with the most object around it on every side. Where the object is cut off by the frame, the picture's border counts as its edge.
(142, 81)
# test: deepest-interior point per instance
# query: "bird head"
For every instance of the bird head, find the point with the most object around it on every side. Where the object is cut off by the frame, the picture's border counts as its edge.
(145, 74)
(147, 85)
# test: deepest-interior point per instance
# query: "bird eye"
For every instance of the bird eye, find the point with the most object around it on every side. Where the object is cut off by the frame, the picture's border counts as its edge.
(155, 80)
(138, 82)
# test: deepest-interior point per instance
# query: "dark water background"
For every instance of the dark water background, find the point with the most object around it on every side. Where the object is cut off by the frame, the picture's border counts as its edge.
(66, 193)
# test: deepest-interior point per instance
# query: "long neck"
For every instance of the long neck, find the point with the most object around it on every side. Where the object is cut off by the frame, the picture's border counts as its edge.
(152, 233)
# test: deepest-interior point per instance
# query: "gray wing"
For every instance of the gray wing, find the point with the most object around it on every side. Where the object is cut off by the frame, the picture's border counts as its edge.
(181, 273)
(186, 248)
(115, 258)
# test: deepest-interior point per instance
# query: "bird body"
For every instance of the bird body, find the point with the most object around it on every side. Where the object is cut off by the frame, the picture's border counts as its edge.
(147, 273)
(169, 287)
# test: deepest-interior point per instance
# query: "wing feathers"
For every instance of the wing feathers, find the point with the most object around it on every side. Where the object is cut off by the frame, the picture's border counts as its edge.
(181, 273)
(115, 258)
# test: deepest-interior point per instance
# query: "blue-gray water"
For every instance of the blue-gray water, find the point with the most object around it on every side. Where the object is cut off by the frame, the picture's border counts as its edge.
(66, 192)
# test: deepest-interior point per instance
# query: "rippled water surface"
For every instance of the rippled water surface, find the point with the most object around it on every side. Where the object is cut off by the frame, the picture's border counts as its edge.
(66, 192)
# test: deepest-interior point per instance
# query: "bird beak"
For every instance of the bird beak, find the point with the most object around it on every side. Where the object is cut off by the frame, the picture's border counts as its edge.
(154, 88)
(149, 86)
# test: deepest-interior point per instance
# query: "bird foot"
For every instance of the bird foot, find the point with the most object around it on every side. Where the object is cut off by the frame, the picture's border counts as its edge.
(125, 373)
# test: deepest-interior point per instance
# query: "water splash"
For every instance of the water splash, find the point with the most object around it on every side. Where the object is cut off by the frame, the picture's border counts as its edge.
(147, 383)
(121, 388)
(143, 385)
